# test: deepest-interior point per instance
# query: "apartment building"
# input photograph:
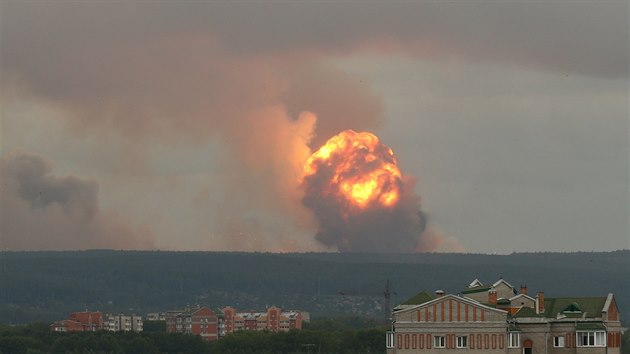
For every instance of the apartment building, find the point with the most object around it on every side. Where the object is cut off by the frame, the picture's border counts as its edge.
(156, 316)
(497, 318)
(121, 322)
(199, 320)
(274, 320)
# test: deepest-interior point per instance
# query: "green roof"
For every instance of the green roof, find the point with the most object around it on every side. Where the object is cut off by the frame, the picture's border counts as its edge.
(592, 306)
(573, 307)
(419, 298)
(526, 312)
(476, 289)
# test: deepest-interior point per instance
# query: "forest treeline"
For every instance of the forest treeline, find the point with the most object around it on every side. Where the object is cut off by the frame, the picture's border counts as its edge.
(47, 286)
(37, 338)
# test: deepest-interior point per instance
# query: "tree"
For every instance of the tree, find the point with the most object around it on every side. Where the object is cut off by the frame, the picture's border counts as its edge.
(625, 343)
(154, 326)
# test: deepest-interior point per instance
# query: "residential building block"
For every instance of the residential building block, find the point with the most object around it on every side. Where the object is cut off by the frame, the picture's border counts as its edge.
(125, 323)
(274, 320)
(200, 321)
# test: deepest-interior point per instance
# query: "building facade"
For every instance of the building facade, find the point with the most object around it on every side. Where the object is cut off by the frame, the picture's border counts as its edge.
(124, 323)
(200, 321)
(498, 319)
(274, 320)
(156, 316)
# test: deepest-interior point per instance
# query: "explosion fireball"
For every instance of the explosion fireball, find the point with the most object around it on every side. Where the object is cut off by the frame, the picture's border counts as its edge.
(364, 171)
(356, 191)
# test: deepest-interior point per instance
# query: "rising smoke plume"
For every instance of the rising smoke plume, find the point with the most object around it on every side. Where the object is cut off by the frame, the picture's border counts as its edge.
(39, 210)
(198, 92)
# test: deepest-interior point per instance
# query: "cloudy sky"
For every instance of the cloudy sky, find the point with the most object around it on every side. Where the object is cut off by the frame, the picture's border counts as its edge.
(185, 125)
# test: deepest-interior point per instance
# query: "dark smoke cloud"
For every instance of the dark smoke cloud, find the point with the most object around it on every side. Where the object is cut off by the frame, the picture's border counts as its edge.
(375, 230)
(42, 211)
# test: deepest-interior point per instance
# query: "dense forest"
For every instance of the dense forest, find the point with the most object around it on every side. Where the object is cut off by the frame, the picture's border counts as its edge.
(46, 286)
(37, 338)
(326, 336)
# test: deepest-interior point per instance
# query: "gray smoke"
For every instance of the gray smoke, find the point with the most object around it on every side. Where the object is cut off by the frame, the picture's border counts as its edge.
(375, 230)
(42, 211)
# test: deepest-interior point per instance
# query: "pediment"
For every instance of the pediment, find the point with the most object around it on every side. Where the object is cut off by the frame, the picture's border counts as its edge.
(522, 295)
(475, 283)
(449, 308)
(451, 298)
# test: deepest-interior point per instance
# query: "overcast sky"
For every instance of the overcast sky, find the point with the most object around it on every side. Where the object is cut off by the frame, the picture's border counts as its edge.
(184, 125)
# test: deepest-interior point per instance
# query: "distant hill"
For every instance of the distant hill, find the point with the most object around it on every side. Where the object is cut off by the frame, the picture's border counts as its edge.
(48, 285)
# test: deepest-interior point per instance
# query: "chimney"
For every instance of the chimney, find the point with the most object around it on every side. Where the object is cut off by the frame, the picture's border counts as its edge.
(492, 297)
(524, 289)
(439, 293)
(540, 301)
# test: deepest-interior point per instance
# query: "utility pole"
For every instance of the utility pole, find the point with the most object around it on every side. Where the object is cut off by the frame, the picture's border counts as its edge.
(388, 302)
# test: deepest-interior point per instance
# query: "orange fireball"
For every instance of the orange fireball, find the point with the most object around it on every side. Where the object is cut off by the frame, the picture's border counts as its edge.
(358, 168)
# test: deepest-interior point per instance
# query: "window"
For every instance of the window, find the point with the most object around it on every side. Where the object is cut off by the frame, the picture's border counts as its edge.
(591, 339)
(438, 342)
(514, 339)
(558, 342)
(389, 340)
(462, 341)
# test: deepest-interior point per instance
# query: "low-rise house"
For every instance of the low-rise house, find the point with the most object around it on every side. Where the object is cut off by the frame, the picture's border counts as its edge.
(66, 326)
(79, 322)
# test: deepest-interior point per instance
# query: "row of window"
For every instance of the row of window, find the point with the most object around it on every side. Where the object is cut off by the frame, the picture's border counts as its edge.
(419, 340)
(584, 339)
(440, 342)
